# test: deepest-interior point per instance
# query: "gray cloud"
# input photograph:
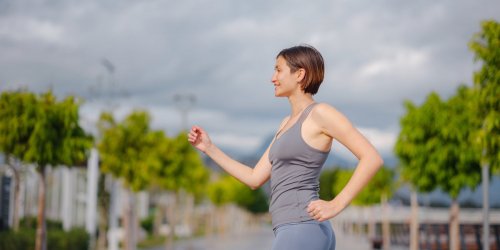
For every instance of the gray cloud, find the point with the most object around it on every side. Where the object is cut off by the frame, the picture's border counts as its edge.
(377, 54)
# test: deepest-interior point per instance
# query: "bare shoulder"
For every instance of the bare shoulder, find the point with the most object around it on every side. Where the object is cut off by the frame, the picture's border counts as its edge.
(329, 118)
(326, 111)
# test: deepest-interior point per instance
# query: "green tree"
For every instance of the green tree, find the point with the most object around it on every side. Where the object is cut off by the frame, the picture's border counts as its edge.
(56, 139)
(128, 152)
(434, 148)
(18, 111)
(486, 46)
(181, 169)
(458, 159)
(416, 128)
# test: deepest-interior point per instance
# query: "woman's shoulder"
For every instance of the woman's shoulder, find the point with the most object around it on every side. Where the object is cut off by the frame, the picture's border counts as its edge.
(324, 108)
(324, 112)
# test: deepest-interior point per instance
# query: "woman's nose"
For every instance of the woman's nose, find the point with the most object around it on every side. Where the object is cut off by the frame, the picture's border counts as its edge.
(273, 78)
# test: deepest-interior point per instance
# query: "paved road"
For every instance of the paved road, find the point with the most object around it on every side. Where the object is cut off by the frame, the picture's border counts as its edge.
(260, 239)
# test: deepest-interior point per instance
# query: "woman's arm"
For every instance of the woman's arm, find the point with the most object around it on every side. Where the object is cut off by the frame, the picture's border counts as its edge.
(335, 125)
(252, 177)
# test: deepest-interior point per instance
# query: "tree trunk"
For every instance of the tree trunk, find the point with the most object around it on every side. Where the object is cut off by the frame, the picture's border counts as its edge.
(372, 234)
(172, 221)
(103, 208)
(17, 197)
(17, 200)
(414, 237)
(129, 222)
(386, 233)
(40, 243)
(454, 225)
(101, 237)
(486, 205)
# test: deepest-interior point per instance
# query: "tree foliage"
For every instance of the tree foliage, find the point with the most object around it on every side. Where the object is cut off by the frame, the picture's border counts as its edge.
(128, 149)
(41, 130)
(327, 180)
(57, 137)
(229, 190)
(458, 159)
(417, 137)
(180, 167)
(18, 111)
(381, 184)
(434, 144)
(486, 46)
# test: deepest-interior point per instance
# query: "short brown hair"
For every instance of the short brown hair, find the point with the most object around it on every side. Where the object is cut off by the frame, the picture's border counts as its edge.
(308, 58)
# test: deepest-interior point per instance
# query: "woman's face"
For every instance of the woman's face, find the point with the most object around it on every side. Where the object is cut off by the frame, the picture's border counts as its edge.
(284, 81)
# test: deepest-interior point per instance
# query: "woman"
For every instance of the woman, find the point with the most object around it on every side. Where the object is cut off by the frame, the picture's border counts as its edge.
(294, 159)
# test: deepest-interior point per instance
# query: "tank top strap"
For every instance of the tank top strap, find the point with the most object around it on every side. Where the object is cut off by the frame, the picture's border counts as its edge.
(306, 112)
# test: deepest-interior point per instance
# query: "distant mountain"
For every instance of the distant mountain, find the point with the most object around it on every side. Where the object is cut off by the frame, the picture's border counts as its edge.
(467, 198)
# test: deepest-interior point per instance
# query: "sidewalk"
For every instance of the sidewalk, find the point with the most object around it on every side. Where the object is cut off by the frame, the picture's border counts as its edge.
(258, 239)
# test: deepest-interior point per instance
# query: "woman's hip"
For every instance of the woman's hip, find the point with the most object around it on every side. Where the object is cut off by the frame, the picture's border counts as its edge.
(312, 235)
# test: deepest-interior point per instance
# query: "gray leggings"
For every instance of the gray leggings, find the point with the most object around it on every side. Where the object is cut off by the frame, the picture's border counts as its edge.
(310, 235)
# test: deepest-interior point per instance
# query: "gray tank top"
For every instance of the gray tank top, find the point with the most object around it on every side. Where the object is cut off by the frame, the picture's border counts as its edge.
(295, 174)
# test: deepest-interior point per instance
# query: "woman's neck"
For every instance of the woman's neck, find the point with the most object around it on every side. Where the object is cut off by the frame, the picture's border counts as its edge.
(299, 102)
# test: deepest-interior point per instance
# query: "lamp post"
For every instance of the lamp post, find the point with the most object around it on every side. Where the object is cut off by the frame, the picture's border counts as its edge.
(184, 103)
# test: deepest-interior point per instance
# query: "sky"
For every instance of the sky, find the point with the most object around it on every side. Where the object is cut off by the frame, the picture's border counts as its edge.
(214, 59)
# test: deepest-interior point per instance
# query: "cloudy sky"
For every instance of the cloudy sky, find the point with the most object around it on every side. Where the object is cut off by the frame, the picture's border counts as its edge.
(124, 55)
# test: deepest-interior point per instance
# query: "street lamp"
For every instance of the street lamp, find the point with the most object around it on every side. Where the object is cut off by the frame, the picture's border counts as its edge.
(184, 103)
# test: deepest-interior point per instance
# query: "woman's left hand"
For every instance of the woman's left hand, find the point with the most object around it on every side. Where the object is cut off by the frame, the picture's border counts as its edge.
(321, 210)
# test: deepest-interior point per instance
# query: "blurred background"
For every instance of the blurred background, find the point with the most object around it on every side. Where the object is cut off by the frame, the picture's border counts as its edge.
(97, 96)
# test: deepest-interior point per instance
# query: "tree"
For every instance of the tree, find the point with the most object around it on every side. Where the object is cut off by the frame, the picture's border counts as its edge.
(17, 121)
(486, 46)
(56, 139)
(416, 130)
(454, 154)
(179, 169)
(434, 148)
(128, 152)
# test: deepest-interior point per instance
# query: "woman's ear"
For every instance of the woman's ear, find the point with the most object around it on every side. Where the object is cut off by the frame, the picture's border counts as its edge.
(300, 75)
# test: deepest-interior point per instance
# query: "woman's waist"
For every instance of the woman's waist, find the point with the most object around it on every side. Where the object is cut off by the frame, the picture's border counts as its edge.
(293, 196)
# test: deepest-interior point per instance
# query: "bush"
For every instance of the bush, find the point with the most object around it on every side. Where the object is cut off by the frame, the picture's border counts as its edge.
(31, 223)
(147, 224)
(76, 239)
(23, 239)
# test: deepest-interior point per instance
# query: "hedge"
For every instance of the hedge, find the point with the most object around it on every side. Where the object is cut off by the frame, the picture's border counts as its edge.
(75, 239)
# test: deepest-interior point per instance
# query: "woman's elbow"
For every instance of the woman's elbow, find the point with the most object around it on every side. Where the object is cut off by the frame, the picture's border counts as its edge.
(255, 186)
(378, 161)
